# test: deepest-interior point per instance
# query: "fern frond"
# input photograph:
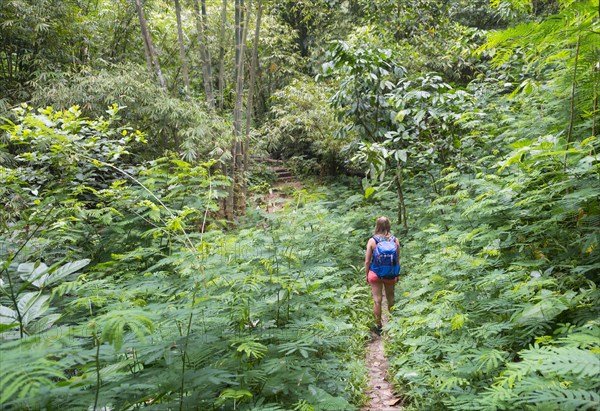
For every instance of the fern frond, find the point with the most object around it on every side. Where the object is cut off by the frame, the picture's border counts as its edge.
(28, 379)
(562, 361)
(562, 398)
(115, 323)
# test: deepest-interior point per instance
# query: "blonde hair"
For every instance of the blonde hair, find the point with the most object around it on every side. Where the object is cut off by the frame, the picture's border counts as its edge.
(383, 227)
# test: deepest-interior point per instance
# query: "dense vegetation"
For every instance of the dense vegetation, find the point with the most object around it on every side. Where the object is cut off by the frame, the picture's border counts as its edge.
(141, 269)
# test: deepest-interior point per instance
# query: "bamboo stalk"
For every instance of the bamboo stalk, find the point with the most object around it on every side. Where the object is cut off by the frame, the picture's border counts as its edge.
(151, 56)
(182, 57)
(249, 108)
(222, 54)
(204, 56)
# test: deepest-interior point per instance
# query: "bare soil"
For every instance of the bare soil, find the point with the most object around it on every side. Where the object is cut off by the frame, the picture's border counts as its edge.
(277, 198)
(380, 391)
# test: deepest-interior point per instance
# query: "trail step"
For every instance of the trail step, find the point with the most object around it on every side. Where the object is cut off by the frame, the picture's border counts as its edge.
(282, 172)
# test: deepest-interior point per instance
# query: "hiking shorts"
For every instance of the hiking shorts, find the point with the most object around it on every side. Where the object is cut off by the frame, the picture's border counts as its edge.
(373, 279)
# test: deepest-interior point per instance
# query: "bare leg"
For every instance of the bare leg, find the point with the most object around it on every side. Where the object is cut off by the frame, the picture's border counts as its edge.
(389, 294)
(376, 290)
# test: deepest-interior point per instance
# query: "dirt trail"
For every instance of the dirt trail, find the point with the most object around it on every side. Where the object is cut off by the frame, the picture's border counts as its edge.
(278, 196)
(380, 392)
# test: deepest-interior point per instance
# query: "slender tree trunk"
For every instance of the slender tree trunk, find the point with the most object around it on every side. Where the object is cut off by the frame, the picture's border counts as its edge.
(236, 36)
(595, 113)
(9, 64)
(204, 22)
(144, 29)
(151, 56)
(176, 140)
(239, 200)
(401, 205)
(4, 70)
(234, 146)
(184, 66)
(230, 202)
(222, 54)
(249, 108)
(225, 200)
(205, 56)
(573, 88)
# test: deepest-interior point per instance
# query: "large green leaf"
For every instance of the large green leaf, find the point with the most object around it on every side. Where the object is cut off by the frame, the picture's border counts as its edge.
(40, 275)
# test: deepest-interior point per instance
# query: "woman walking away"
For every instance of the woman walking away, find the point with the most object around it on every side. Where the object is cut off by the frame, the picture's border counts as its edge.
(382, 266)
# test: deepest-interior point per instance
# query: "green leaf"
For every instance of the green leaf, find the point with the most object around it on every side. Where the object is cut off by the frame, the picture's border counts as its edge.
(32, 305)
(7, 326)
(458, 321)
(68, 268)
(230, 393)
(543, 311)
(7, 316)
(40, 275)
(35, 273)
(401, 155)
(115, 323)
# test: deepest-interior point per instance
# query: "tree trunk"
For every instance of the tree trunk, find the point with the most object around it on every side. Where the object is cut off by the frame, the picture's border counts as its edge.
(249, 108)
(401, 205)
(230, 201)
(234, 147)
(205, 57)
(595, 111)
(222, 54)
(9, 64)
(239, 199)
(176, 140)
(184, 67)
(151, 57)
(144, 29)
(573, 88)
(236, 36)
(204, 23)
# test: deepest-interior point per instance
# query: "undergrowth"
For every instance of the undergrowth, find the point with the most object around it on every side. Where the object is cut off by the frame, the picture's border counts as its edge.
(500, 307)
(124, 292)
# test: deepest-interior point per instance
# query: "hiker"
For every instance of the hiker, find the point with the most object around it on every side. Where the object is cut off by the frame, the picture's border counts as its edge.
(382, 266)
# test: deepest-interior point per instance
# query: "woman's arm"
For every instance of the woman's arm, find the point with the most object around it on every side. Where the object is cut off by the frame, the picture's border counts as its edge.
(369, 255)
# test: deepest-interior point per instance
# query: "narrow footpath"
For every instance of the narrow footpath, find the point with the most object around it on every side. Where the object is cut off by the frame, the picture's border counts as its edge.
(380, 391)
(278, 195)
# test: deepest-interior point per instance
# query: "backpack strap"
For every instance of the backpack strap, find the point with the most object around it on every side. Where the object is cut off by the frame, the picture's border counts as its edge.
(378, 240)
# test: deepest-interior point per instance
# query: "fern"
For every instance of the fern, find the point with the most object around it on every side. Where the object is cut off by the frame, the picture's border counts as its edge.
(28, 379)
(562, 361)
(562, 398)
(114, 324)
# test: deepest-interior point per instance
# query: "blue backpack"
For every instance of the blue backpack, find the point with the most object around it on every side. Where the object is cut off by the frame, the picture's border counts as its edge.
(385, 261)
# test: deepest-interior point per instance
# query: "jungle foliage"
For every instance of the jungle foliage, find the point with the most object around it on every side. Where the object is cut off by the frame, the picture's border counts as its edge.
(131, 278)
(170, 312)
